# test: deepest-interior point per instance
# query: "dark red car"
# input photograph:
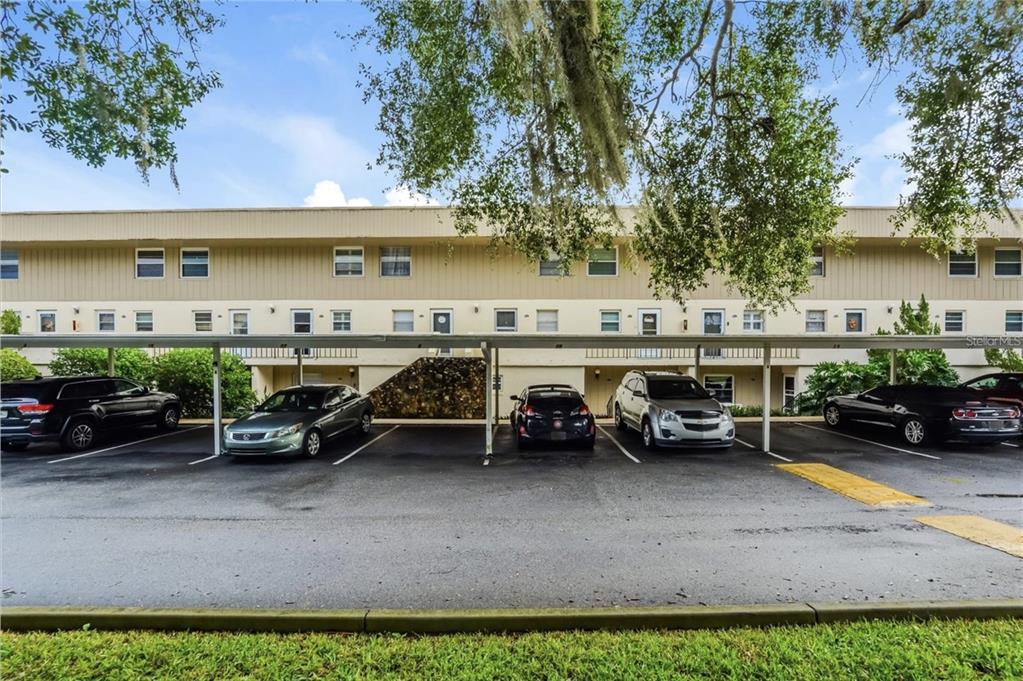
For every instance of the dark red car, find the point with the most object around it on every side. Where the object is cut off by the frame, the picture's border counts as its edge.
(1003, 387)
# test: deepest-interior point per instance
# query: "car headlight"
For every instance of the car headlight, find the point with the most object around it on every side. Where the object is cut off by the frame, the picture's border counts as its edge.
(666, 415)
(726, 415)
(290, 430)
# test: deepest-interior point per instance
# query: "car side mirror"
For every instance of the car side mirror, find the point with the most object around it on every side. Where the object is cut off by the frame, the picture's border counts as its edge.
(514, 398)
(638, 393)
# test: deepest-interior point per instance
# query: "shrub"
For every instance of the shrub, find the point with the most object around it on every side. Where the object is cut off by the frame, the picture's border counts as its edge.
(133, 363)
(753, 410)
(10, 322)
(188, 373)
(14, 366)
(1006, 360)
(838, 378)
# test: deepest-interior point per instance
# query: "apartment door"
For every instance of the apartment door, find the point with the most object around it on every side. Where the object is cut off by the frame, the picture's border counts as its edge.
(789, 394)
(649, 325)
(713, 325)
(441, 322)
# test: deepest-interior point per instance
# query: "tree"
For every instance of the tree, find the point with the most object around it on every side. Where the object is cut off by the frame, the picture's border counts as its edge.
(14, 366)
(915, 366)
(107, 78)
(1006, 360)
(537, 118)
(133, 363)
(10, 323)
(188, 373)
(838, 378)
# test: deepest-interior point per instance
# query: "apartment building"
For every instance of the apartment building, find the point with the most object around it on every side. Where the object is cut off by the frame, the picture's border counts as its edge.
(404, 270)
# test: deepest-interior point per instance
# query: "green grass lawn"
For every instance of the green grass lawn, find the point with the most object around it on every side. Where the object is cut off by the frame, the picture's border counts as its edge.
(867, 650)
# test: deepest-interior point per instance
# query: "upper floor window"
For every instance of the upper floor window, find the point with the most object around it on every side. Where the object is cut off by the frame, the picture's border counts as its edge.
(144, 321)
(1014, 321)
(962, 264)
(855, 321)
(301, 321)
(817, 262)
(149, 263)
(551, 265)
(753, 320)
(403, 321)
(348, 261)
(240, 322)
(195, 263)
(396, 261)
(506, 320)
(203, 320)
(341, 321)
(816, 321)
(106, 320)
(546, 321)
(8, 264)
(1008, 262)
(955, 321)
(603, 262)
(47, 321)
(610, 321)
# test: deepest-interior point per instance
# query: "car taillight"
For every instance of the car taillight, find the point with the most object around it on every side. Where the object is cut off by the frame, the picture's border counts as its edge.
(528, 411)
(35, 409)
(584, 410)
(964, 413)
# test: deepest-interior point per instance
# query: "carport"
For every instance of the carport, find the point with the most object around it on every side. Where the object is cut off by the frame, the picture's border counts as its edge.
(490, 346)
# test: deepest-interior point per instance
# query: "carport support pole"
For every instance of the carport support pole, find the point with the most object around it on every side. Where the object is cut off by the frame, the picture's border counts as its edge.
(298, 355)
(110, 361)
(766, 421)
(696, 363)
(216, 401)
(497, 378)
(488, 382)
(891, 367)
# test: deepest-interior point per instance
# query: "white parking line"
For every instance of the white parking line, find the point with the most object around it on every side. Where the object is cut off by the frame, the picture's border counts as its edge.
(192, 463)
(1009, 444)
(618, 444)
(356, 451)
(777, 456)
(878, 444)
(126, 444)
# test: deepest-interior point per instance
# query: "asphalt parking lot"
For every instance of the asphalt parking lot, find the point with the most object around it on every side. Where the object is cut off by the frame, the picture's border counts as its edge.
(414, 516)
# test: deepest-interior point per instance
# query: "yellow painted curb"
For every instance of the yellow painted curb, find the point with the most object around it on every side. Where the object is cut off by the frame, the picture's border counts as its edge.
(979, 530)
(852, 486)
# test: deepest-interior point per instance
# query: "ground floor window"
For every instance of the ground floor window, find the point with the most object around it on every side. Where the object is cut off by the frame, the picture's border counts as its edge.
(203, 321)
(789, 391)
(505, 320)
(610, 321)
(105, 320)
(1014, 321)
(301, 321)
(240, 322)
(403, 321)
(955, 321)
(855, 321)
(47, 321)
(816, 321)
(546, 321)
(342, 321)
(723, 387)
(144, 321)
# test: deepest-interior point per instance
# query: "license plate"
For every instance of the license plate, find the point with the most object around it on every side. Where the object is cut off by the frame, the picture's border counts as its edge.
(560, 435)
(557, 425)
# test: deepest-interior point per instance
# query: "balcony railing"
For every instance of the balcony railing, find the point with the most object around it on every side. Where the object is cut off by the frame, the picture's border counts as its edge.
(689, 353)
(284, 353)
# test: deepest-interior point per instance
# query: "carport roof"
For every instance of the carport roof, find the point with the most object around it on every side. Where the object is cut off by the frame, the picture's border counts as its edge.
(526, 341)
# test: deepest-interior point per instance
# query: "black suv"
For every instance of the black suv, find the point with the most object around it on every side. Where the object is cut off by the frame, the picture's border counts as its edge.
(75, 410)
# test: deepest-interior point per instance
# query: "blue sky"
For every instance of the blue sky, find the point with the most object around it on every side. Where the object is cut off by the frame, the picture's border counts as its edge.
(290, 128)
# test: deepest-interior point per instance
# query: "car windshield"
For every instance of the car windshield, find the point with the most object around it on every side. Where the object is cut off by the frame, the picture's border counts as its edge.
(676, 389)
(293, 400)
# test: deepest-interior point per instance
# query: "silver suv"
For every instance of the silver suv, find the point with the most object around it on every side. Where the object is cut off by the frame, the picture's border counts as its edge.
(671, 410)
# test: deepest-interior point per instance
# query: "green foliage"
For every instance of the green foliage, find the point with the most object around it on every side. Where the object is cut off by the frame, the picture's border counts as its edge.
(133, 363)
(838, 378)
(188, 373)
(1006, 360)
(106, 78)
(753, 410)
(14, 366)
(536, 118)
(10, 323)
(915, 366)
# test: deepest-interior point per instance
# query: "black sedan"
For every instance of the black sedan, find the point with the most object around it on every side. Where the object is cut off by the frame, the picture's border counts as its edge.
(553, 413)
(1005, 387)
(927, 412)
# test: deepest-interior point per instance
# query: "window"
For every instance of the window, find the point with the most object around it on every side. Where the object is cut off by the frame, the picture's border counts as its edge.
(86, 389)
(195, 263)
(105, 320)
(603, 262)
(546, 321)
(506, 320)
(1014, 321)
(123, 387)
(955, 321)
(47, 321)
(816, 321)
(203, 320)
(817, 262)
(962, 264)
(1008, 262)
(396, 261)
(404, 321)
(610, 321)
(723, 387)
(854, 321)
(341, 321)
(143, 321)
(550, 266)
(8, 264)
(301, 321)
(788, 391)
(240, 322)
(753, 321)
(348, 262)
(149, 263)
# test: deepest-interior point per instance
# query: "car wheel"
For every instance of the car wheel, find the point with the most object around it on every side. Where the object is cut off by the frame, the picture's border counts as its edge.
(914, 432)
(79, 435)
(648, 435)
(590, 442)
(15, 446)
(833, 415)
(169, 418)
(311, 444)
(619, 421)
(366, 423)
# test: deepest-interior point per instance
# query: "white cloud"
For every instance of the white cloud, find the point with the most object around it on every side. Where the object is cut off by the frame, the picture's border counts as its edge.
(403, 196)
(847, 191)
(892, 140)
(327, 193)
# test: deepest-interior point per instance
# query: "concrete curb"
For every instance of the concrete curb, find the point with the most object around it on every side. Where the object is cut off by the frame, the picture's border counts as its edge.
(30, 618)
